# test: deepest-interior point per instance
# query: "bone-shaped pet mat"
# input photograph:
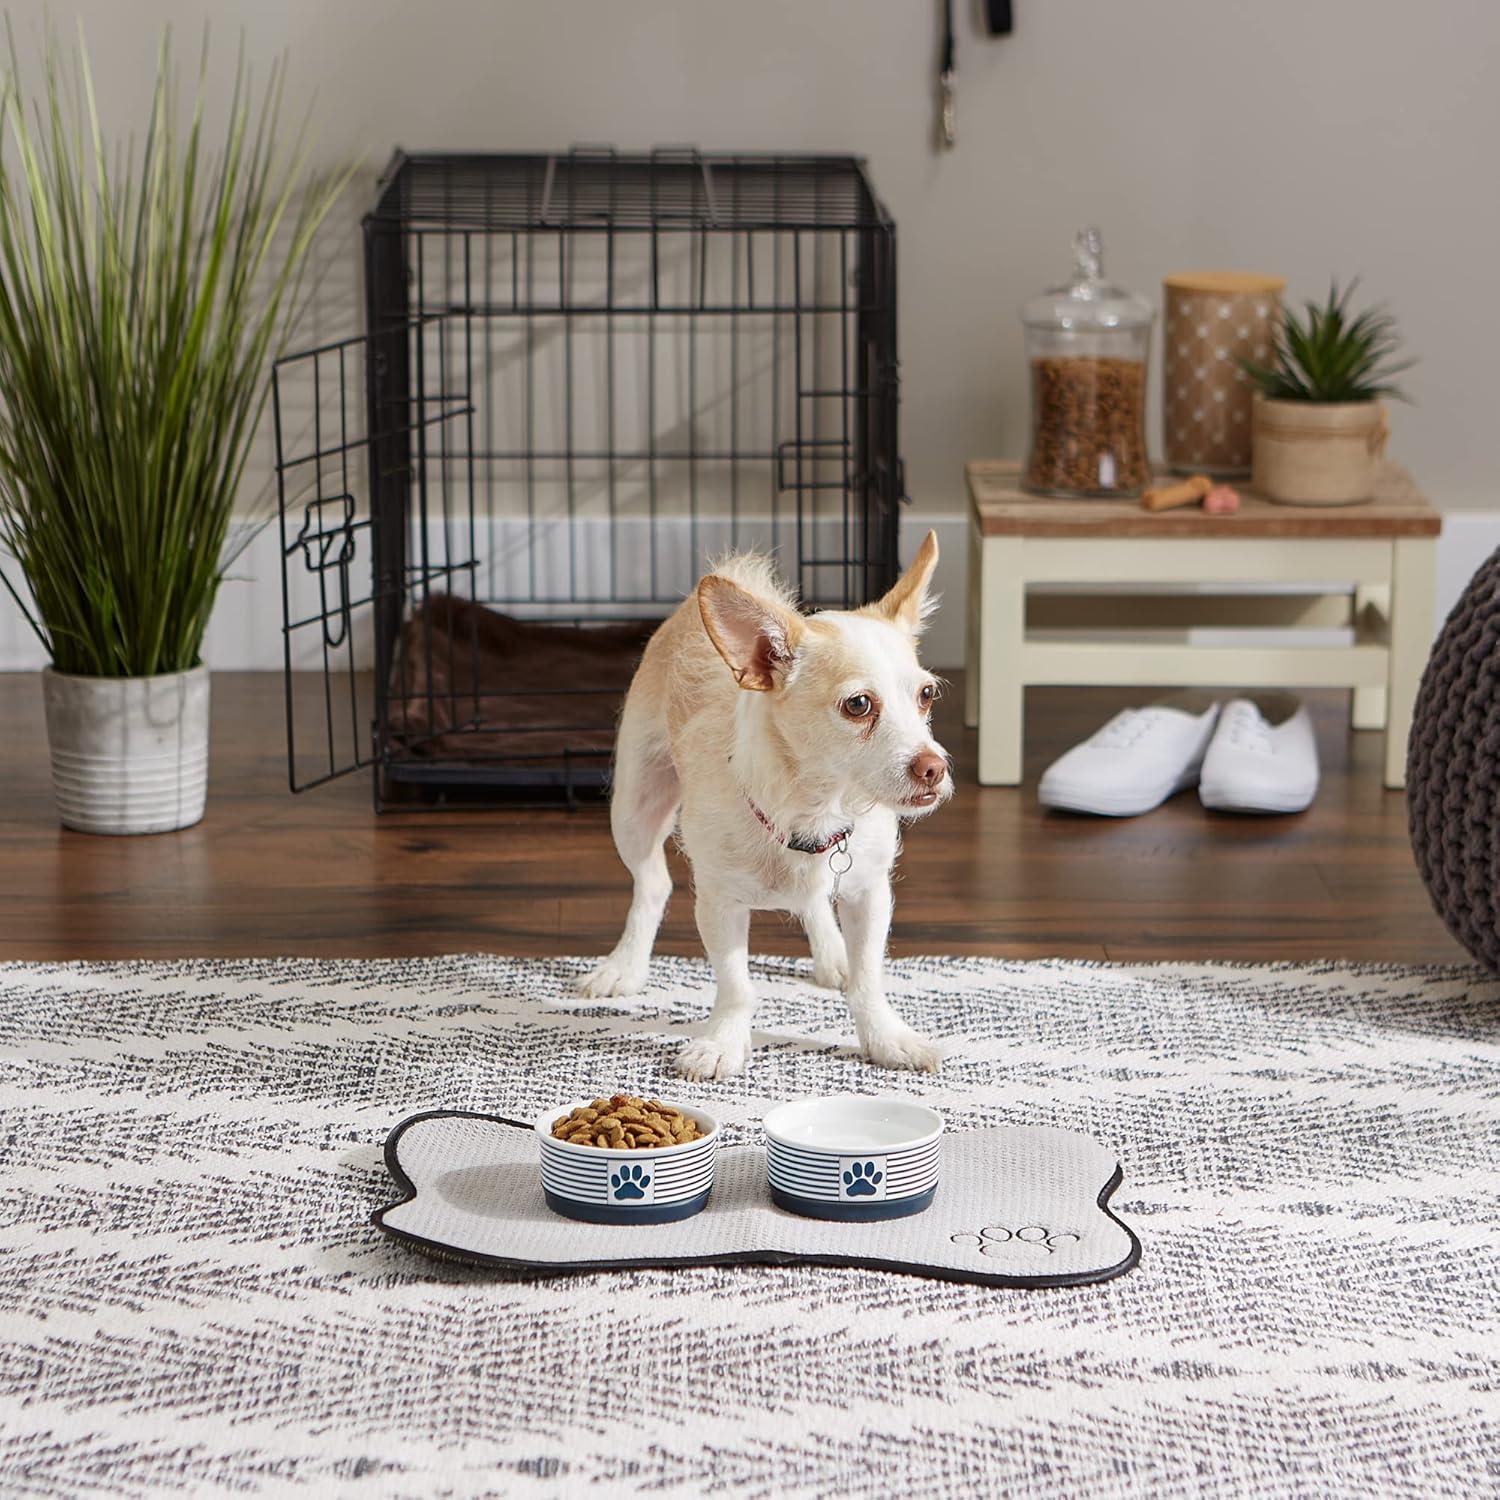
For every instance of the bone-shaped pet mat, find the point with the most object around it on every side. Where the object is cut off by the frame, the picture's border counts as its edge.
(1021, 1206)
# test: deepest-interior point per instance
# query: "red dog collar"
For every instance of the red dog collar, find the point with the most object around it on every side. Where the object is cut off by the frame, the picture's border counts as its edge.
(793, 841)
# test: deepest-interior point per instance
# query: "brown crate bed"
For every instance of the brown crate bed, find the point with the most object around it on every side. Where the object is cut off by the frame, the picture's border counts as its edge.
(470, 684)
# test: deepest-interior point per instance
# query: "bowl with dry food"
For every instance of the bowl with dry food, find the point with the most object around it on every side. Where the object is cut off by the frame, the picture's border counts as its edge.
(627, 1160)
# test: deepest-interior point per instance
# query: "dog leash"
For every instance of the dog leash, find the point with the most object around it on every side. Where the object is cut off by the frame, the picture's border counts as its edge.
(947, 84)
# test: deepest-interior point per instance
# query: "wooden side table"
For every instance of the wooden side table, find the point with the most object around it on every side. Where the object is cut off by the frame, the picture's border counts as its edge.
(1368, 566)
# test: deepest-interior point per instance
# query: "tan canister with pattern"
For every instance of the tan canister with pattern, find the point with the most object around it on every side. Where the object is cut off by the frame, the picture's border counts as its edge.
(1212, 320)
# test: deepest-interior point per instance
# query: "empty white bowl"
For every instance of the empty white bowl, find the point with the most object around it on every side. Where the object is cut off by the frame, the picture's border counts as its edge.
(854, 1158)
(609, 1185)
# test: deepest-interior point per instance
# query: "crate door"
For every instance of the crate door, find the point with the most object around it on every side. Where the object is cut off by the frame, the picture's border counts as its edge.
(371, 434)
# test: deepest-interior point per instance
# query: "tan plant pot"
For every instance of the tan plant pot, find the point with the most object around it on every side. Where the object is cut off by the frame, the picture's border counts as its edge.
(1316, 453)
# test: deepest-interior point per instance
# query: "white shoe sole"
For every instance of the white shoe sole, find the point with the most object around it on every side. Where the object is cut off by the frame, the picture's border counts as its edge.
(1103, 804)
(1227, 799)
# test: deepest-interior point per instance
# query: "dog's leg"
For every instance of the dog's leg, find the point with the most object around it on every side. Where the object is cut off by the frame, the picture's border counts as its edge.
(830, 960)
(887, 1040)
(642, 810)
(725, 1044)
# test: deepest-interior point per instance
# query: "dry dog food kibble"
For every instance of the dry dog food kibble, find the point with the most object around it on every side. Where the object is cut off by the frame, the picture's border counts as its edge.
(626, 1123)
(1088, 432)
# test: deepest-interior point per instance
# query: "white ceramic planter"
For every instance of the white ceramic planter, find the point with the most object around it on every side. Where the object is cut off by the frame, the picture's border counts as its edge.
(129, 754)
(1316, 453)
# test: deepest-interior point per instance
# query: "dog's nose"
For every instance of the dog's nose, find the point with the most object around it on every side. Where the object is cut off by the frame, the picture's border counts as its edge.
(928, 768)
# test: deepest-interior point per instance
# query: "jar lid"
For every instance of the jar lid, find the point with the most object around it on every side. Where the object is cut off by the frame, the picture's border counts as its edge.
(1226, 283)
(1086, 301)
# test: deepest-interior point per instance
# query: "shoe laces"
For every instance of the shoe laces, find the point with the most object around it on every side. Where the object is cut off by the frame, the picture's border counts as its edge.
(1127, 728)
(1246, 730)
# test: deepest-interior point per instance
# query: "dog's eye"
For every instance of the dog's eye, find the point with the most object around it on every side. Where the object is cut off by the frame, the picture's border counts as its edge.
(857, 706)
(928, 696)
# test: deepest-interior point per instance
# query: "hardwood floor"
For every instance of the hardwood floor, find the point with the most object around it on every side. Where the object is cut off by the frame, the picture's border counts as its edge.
(268, 873)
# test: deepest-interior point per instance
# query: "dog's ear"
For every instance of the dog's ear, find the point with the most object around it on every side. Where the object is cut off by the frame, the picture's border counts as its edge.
(756, 637)
(909, 604)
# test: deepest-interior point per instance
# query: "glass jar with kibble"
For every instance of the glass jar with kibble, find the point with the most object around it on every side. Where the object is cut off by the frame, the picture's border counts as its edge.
(1087, 342)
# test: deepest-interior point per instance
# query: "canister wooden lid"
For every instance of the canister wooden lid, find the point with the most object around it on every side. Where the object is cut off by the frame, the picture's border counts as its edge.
(1226, 283)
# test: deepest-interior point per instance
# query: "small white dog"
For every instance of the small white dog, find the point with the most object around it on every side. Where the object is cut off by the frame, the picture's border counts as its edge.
(786, 748)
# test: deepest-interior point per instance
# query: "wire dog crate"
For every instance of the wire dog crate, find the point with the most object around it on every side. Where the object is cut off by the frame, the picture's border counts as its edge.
(581, 377)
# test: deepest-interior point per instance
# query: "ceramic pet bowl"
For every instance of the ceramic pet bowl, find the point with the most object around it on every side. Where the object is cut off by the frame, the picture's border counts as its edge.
(853, 1158)
(602, 1185)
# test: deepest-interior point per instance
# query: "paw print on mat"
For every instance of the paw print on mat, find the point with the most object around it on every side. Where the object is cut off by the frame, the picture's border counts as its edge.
(861, 1180)
(629, 1182)
(994, 1239)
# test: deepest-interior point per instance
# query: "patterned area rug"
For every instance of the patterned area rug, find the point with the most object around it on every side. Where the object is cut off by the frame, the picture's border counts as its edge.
(192, 1298)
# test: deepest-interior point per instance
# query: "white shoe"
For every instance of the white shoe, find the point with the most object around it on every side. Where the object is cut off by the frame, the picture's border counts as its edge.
(1256, 767)
(1134, 763)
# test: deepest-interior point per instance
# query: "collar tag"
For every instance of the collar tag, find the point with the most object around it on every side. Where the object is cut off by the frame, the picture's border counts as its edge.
(841, 861)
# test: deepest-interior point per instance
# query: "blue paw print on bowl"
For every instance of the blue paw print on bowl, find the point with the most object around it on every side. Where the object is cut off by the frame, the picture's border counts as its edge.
(629, 1182)
(861, 1180)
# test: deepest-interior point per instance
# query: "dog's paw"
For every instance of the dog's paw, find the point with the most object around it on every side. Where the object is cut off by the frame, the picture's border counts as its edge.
(612, 976)
(713, 1057)
(901, 1047)
(831, 973)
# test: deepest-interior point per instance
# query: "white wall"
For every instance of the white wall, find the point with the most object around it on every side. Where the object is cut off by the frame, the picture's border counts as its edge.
(1308, 137)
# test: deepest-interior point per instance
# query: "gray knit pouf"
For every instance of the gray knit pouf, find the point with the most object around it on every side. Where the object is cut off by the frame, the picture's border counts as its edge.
(1453, 769)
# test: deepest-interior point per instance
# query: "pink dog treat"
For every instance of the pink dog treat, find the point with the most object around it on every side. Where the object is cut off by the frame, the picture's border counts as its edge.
(1221, 500)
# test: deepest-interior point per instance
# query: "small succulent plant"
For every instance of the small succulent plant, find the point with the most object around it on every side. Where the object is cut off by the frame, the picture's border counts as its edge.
(1329, 354)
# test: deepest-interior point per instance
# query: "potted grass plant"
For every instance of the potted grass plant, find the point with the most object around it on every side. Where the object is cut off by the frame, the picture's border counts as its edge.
(143, 294)
(1318, 424)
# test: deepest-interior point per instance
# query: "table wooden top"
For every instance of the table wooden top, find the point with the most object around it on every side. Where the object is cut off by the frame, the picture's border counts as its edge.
(1399, 508)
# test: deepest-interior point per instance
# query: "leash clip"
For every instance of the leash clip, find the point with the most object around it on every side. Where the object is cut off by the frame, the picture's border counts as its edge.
(950, 108)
